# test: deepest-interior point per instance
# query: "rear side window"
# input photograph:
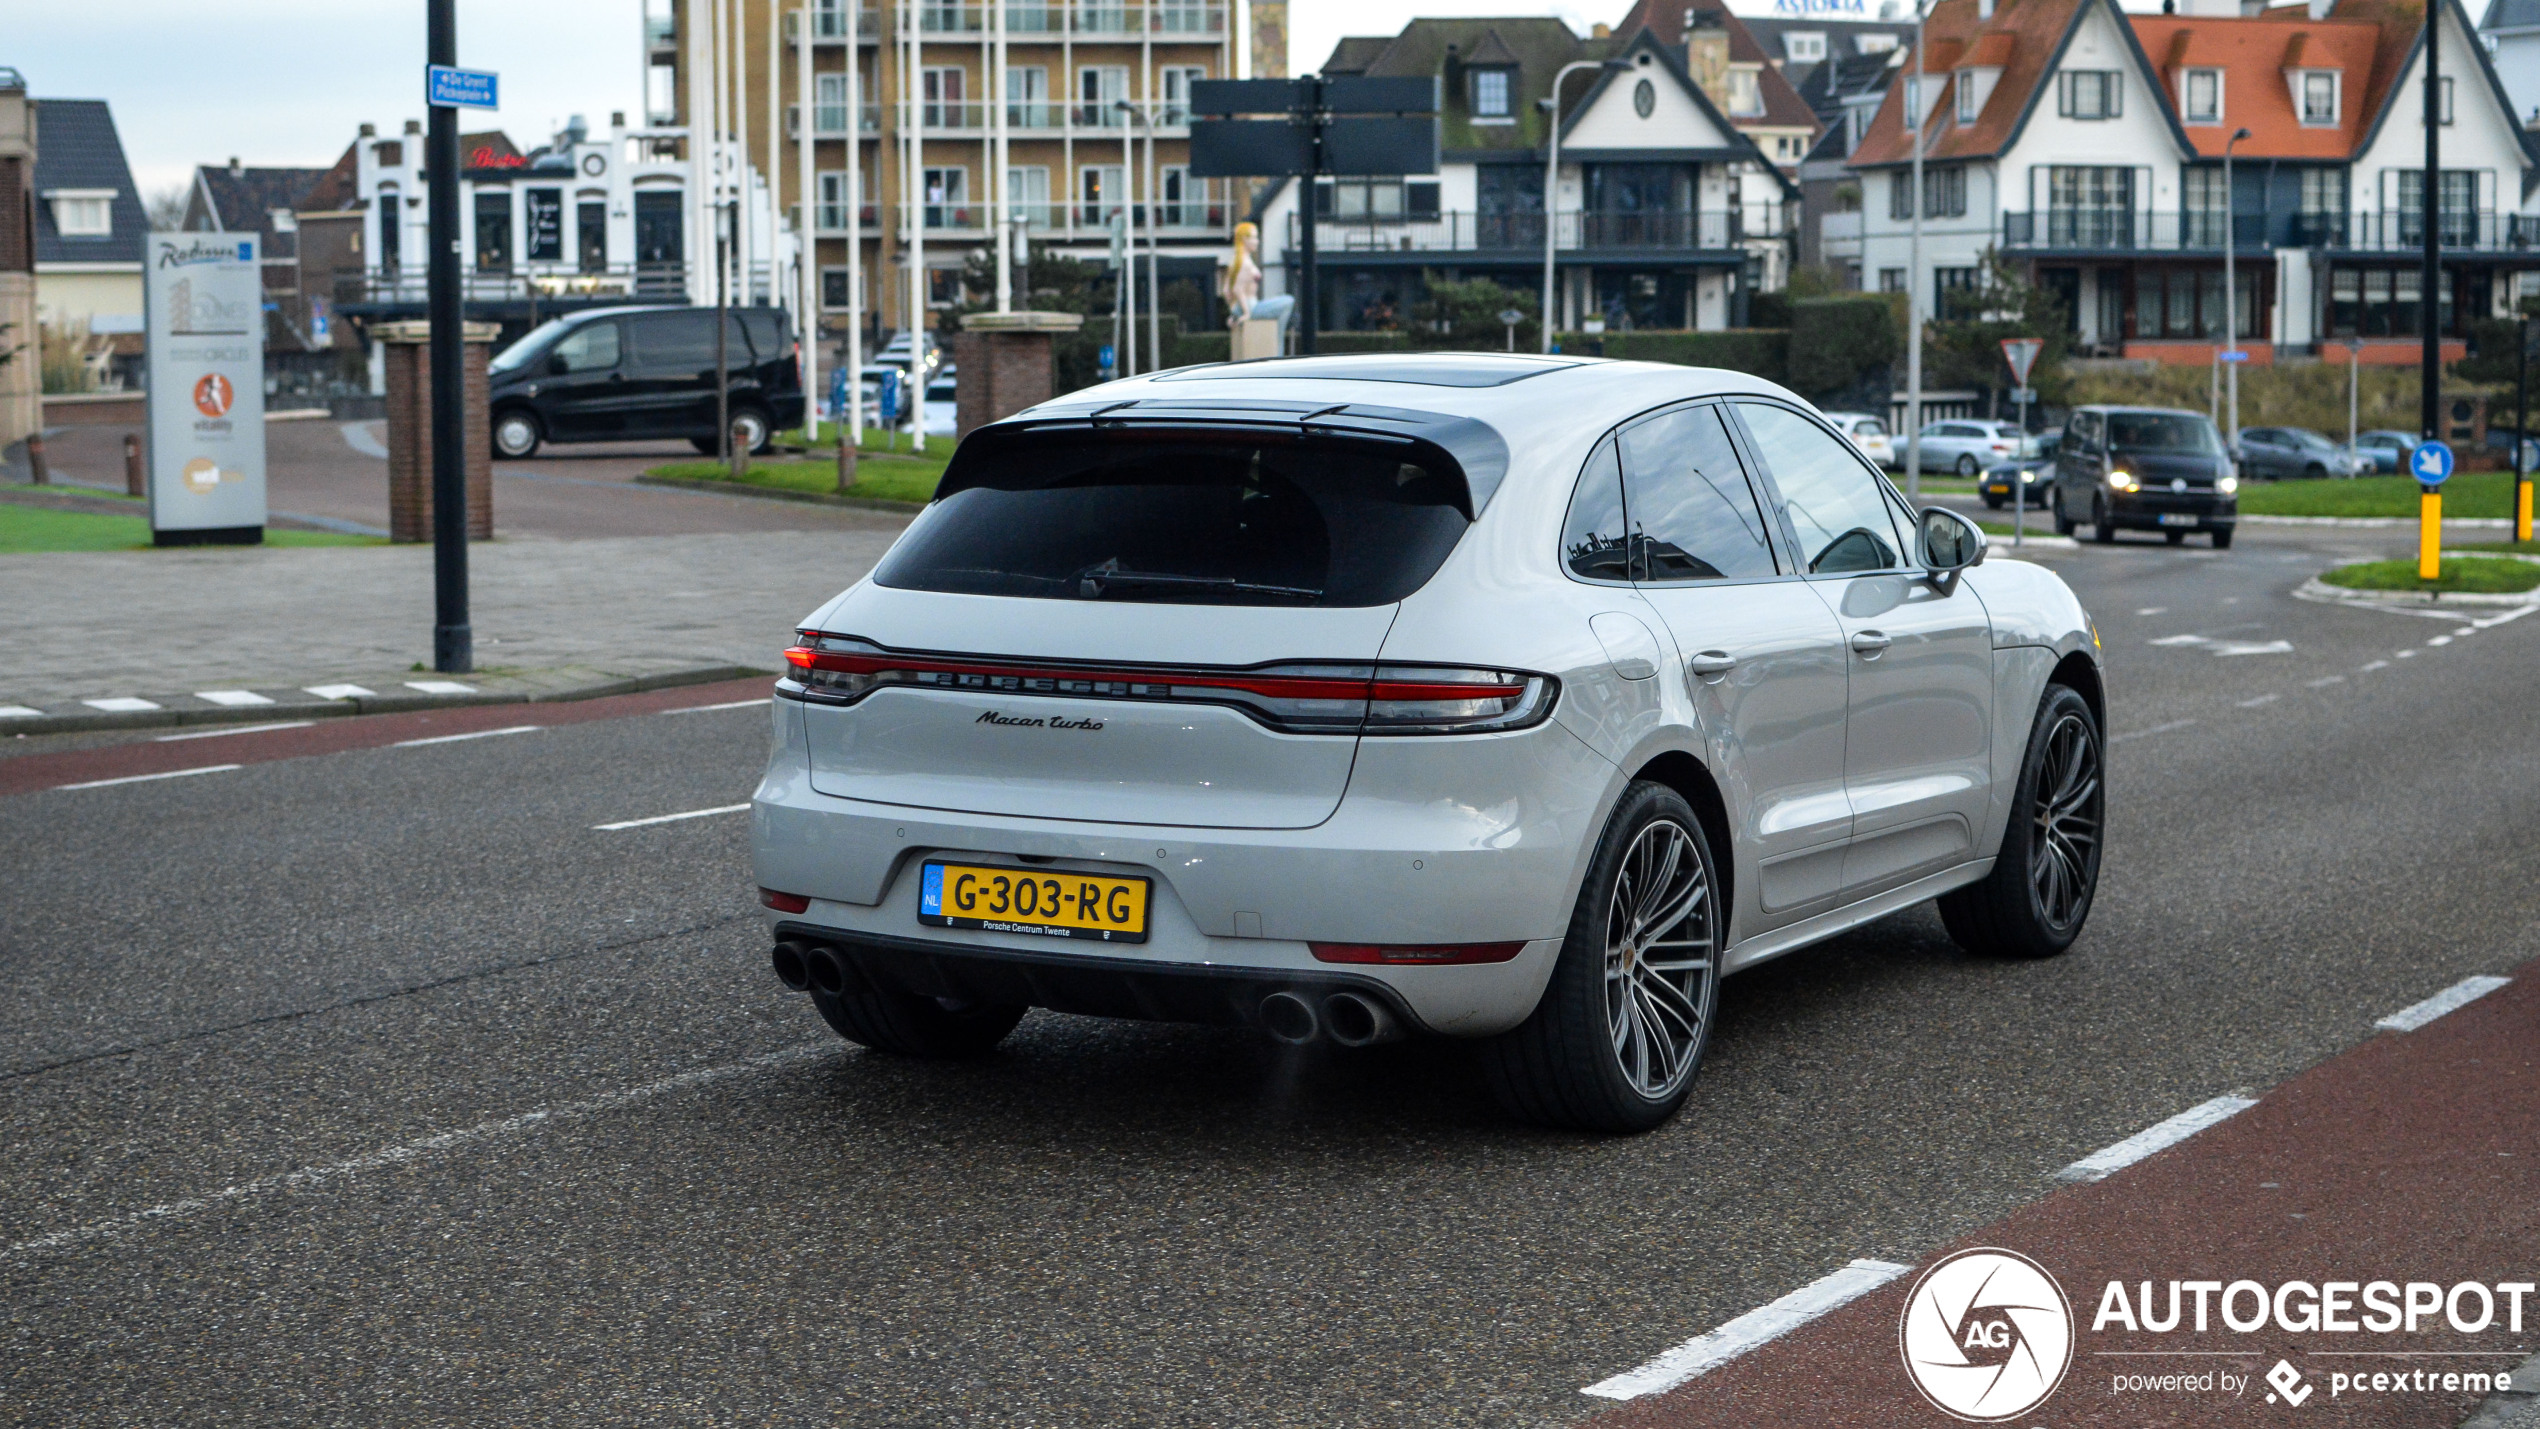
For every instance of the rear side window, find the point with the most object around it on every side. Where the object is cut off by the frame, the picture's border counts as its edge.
(589, 348)
(1693, 516)
(684, 341)
(1595, 544)
(1186, 517)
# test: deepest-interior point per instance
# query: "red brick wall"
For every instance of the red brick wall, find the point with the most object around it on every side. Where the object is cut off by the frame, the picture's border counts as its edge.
(410, 444)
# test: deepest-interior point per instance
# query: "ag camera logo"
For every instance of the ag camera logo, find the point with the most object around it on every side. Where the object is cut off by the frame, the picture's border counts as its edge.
(1987, 1335)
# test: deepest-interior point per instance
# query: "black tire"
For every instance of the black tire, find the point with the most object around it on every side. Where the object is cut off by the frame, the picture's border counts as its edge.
(2175, 538)
(2046, 874)
(706, 446)
(1966, 464)
(1562, 1067)
(907, 1025)
(2103, 525)
(1994, 503)
(2315, 472)
(2222, 540)
(2063, 523)
(517, 434)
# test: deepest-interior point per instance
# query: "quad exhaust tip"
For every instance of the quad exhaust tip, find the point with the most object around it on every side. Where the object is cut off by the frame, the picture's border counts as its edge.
(1290, 1018)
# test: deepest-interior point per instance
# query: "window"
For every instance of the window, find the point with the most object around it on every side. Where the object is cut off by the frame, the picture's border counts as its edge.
(661, 93)
(591, 347)
(2090, 94)
(1692, 515)
(1027, 189)
(2200, 96)
(1831, 497)
(1956, 291)
(945, 87)
(390, 220)
(1177, 81)
(2447, 98)
(2202, 203)
(591, 233)
(1490, 94)
(829, 104)
(1891, 280)
(2319, 96)
(82, 213)
(1913, 103)
(1804, 47)
(1098, 89)
(1594, 543)
(2089, 205)
(2458, 200)
(1966, 86)
(1027, 97)
(1900, 194)
(1221, 521)
(1098, 190)
(832, 217)
(1945, 191)
(545, 211)
(948, 198)
(1874, 44)
(493, 232)
(835, 291)
(1746, 92)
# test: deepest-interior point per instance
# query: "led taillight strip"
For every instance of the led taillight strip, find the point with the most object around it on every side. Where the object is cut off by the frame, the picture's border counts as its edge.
(1291, 687)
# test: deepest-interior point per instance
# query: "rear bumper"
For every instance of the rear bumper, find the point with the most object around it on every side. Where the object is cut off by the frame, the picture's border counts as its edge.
(2144, 511)
(1452, 840)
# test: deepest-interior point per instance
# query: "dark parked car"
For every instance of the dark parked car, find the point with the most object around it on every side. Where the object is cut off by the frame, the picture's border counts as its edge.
(618, 373)
(2144, 469)
(2283, 453)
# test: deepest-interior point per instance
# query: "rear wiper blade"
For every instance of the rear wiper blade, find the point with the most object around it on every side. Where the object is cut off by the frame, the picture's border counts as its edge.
(1092, 583)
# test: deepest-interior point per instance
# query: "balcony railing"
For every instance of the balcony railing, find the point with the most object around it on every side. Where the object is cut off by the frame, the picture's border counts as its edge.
(829, 121)
(1167, 19)
(829, 25)
(1193, 216)
(1467, 232)
(548, 283)
(661, 32)
(832, 217)
(2119, 230)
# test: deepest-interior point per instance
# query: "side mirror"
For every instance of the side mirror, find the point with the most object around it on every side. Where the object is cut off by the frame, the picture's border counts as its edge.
(1951, 544)
(556, 365)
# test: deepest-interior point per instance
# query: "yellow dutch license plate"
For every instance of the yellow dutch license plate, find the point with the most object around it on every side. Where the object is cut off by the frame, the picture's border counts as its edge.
(1023, 900)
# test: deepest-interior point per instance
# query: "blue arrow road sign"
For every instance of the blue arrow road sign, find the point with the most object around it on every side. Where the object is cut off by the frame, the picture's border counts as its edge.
(2430, 463)
(448, 86)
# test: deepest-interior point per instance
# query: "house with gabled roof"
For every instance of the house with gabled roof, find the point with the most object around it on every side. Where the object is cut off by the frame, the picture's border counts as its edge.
(2086, 145)
(1664, 214)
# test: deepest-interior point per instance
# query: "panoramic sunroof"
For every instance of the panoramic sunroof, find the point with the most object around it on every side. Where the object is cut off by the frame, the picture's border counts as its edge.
(1463, 369)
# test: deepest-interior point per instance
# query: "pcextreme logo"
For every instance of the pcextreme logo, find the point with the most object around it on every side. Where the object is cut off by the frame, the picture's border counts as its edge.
(1987, 1335)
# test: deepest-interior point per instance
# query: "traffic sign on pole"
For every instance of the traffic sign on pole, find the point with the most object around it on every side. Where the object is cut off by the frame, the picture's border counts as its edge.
(2021, 353)
(2231, 355)
(453, 87)
(2430, 463)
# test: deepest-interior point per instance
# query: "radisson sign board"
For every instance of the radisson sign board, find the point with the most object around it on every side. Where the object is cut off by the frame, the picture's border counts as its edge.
(205, 299)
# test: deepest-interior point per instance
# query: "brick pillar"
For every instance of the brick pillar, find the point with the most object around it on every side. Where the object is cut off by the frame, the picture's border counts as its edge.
(1007, 362)
(409, 350)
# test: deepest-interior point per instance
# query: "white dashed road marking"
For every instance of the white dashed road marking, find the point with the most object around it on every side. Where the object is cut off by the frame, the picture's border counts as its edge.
(120, 704)
(340, 692)
(441, 687)
(2146, 733)
(2224, 648)
(2458, 995)
(2260, 700)
(734, 705)
(2327, 680)
(235, 729)
(2154, 610)
(415, 1150)
(674, 818)
(2375, 665)
(232, 699)
(19, 712)
(144, 778)
(473, 734)
(2109, 1160)
(1709, 1351)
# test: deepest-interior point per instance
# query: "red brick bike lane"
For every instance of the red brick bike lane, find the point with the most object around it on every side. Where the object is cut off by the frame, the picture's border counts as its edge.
(2414, 1157)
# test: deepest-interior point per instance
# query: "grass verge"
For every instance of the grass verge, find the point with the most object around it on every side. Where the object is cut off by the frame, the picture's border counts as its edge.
(2470, 494)
(878, 476)
(26, 530)
(2466, 575)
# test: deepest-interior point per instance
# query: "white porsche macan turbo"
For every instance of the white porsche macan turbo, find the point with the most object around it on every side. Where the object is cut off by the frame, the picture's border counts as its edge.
(1498, 697)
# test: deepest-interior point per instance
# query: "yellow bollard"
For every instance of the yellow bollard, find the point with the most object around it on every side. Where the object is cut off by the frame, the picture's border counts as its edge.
(2430, 535)
(2522, 511)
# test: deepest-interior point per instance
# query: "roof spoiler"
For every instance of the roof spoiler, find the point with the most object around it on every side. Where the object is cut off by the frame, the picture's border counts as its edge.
(1473, 449)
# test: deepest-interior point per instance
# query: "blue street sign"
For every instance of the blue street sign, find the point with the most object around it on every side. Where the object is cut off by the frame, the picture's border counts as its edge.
(2233, 355)
(1104, 359)
(2430, 463)
(890, 394)
(448, 86)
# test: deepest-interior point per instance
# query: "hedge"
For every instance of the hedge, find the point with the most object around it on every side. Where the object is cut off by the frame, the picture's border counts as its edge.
(1835, 342)
(1765, 352)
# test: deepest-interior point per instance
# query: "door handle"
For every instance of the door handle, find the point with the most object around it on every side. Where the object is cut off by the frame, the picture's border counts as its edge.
(1868, 644)
(1711, 664)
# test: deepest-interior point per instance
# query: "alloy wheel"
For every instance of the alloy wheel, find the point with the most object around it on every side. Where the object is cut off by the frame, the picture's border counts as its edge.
(1661, 959)
(2064, 822)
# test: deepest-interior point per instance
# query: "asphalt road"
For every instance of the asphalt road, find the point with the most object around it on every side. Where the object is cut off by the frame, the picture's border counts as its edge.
(379, 1085)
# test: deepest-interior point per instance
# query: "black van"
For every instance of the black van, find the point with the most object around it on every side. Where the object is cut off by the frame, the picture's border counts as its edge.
(614, 374)
(2144, 469)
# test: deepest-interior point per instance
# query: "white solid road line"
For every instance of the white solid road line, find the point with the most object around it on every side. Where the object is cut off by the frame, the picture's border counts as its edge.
(734, 705)
(235, 729)
(674, 818)
(340, 692)
(120, 704)
(2156, 729)
(232, 699)
(2111, 1159)
(144, 778)
(415, 1150)
(2458, 995)
(472, 734)
(1709, 1351)
(441, 687)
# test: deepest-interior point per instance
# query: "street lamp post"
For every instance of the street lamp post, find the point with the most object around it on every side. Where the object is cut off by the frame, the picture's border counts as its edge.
(2231, 300)
(1552, 175)
(1915, 112)
(453, 636)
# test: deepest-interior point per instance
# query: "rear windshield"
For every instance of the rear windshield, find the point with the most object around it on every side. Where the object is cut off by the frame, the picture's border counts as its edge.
(1187, 518)
(2163, 432)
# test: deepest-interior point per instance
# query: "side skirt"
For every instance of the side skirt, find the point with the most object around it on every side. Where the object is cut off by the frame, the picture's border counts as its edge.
(1767, 946)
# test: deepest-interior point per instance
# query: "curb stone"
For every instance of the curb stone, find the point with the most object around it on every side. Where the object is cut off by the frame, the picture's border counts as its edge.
(2377, 523)
(2320, 590)
(499, 688)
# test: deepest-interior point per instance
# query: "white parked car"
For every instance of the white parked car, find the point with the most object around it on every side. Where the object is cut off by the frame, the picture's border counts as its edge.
(1491, 696)
(1868, 433)
(1966, 446)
